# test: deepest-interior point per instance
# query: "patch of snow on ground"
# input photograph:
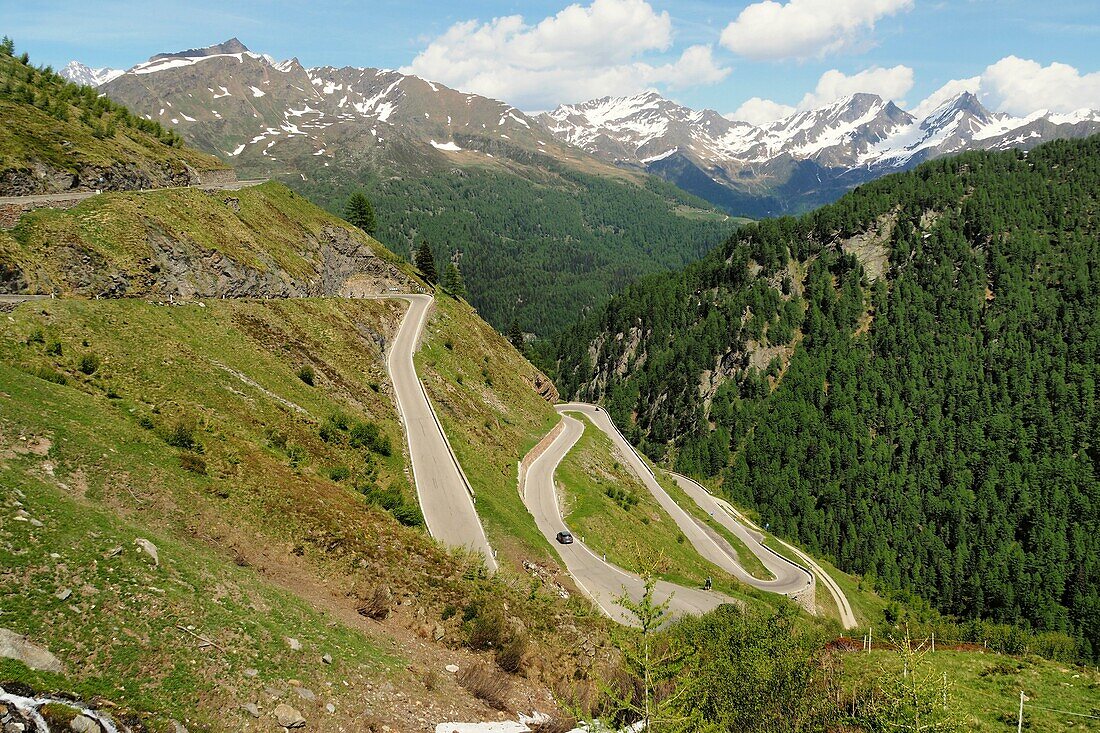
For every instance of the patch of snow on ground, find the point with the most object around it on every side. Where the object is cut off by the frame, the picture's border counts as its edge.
(446, 146)
(239, 149)
(257, 92)
(225, 93)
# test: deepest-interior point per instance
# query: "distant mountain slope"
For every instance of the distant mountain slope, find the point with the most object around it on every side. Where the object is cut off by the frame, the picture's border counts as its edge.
(905, 380)
(56, 136)
(543, 230)
(803, 160)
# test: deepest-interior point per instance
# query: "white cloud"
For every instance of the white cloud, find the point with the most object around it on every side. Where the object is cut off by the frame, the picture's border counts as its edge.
(890, 84)
(804, 28)
(757, 111)
(1021, 86)
(580, 53)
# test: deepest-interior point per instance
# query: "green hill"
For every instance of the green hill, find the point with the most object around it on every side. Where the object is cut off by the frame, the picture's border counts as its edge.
(904, 382)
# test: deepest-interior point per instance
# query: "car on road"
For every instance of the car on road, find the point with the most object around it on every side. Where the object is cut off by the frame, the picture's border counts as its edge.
(565, 538)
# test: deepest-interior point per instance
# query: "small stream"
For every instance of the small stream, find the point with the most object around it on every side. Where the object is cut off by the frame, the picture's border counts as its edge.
(26, 712)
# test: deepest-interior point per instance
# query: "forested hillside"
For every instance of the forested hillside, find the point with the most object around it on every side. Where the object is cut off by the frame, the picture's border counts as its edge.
(537, 252)
(905, 381)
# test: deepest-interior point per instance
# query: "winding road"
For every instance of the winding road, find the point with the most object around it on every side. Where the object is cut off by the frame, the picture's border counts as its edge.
(447, 500)
(445, 496)
(602, 581)
(788, 577)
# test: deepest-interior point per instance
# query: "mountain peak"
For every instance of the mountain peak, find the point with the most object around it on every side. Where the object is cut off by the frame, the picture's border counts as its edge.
(233, 45)
(84, 75)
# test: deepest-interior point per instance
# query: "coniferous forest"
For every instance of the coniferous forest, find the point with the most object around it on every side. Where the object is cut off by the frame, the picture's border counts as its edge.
(929, 420)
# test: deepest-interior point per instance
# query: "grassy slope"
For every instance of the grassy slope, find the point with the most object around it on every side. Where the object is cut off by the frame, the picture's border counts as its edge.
(267, 231)
(255, 550)
(481, 389)
(986, 688)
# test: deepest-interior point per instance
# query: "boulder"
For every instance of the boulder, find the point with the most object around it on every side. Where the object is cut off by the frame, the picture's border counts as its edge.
(288, 717)
(148, 548)
(84, 724)
(18, 647)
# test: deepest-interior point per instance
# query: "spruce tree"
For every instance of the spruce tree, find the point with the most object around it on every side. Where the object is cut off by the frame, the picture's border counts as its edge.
(515, 335)
(452, 280)
(359, 212)
(425, 262)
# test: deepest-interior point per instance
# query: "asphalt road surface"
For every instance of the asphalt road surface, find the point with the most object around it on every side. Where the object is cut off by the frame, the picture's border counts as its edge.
(603, 582)
(788, 577)
(445, 497)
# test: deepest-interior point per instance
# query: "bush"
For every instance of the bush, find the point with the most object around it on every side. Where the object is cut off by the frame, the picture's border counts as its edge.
(485, 684)
(146, 422)
(53, 348)
(368, 435)
(487, 627)
(375, 603)
(339, 473)
(307, 375)
(193, 463)
(50, 375)
(510, 656)
(182, 435)
(88, 363)
(297, 455)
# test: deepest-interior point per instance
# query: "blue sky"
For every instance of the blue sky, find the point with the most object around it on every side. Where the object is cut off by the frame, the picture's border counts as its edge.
(781, 53)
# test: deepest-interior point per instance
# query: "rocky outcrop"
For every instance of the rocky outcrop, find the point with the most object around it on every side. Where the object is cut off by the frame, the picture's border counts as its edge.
(337, 263)
(40, 178)
(545, 387)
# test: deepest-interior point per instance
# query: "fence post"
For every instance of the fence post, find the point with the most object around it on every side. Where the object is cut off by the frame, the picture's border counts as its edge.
(1020, 719)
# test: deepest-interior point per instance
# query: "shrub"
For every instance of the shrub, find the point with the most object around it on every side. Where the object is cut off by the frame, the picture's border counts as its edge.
(510, 656)
(297, 455)
(276, 438)
(307, 375)
(339, 473)
(487, 628)
(375, 603)
(146, 422)
(53, 348)
(368, 435)
(485, 684)
(88, 363)
(50, 375)
(37, 336)
(193, 463)
(182, 435)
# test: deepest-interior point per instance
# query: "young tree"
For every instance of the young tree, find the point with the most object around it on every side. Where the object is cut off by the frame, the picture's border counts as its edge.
(425, 262)
(913, 699)
(7, 46)
(452, 280)
(655, 662)
(359, 212)
(515, 335)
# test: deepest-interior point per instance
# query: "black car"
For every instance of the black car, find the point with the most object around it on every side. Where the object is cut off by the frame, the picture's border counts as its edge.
(566, 538)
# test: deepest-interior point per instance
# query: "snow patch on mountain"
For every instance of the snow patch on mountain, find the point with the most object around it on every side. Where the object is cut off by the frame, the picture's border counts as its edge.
(79, 73)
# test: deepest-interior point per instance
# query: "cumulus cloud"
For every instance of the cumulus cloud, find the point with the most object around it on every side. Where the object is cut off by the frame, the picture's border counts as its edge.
(891, 84)
(1022, 86)
(804, 28)
(758, 111)
(579, 53)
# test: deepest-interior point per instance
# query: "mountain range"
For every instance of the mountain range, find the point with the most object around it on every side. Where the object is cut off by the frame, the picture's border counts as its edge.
(267, 116)
(800, 161)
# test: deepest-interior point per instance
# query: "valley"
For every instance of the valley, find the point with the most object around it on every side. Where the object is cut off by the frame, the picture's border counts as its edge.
(538, 432)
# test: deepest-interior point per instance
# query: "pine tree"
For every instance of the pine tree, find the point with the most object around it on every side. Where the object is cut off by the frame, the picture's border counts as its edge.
(515, 335)
(425, 262)
(452, 280)
(359, 212)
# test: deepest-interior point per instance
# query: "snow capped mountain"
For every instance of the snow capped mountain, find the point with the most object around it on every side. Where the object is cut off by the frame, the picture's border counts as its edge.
(842, 144)
(265, 114)
(78, 73)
